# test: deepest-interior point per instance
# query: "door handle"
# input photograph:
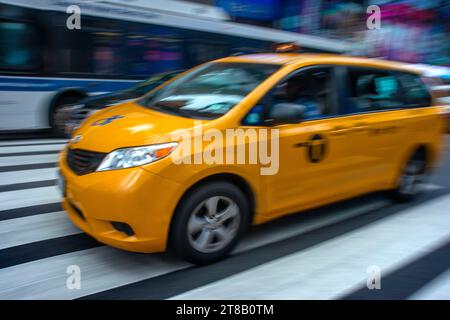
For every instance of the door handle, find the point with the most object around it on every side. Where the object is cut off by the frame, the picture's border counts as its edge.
(360, 126)
(339, 130)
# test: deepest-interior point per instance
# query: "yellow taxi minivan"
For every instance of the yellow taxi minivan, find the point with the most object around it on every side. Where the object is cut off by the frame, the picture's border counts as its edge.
(335, 127)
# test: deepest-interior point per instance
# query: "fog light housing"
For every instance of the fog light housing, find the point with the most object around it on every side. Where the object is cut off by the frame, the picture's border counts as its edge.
(123, 227)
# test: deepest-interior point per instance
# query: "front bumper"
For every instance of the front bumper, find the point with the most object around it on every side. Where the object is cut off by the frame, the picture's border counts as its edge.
(143, 200)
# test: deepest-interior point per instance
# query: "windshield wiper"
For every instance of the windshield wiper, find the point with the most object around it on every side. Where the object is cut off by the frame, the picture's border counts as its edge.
(171, 110)
(185, 113)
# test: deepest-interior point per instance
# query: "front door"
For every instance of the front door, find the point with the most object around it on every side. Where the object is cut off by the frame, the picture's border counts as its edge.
(316, 156)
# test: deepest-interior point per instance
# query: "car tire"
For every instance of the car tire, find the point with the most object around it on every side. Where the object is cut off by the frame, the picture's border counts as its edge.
(412, 179)
(208, 222)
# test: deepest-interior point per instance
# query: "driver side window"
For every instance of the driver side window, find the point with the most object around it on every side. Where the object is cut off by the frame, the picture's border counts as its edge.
(312, 88)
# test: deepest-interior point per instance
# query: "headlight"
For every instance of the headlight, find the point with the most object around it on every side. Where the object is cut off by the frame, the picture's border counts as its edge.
(136, 156)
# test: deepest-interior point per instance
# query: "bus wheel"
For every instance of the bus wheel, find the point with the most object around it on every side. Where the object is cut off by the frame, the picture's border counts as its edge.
(59, 115)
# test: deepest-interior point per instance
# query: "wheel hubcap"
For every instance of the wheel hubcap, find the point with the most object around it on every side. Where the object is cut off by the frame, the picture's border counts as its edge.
(413, 179)
(213, 224)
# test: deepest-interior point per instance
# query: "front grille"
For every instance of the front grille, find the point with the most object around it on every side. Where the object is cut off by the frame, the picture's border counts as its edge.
(83, 161)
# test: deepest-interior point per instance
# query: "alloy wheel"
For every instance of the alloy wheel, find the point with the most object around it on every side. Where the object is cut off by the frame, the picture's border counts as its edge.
(213, 224)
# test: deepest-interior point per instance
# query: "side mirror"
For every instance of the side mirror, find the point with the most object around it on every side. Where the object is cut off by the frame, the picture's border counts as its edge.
(282, 113)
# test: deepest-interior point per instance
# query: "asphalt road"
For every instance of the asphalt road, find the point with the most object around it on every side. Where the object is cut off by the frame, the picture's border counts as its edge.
(319, 254)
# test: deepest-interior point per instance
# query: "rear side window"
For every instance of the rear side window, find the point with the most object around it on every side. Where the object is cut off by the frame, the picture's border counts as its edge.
(371, 90)
(416, 94)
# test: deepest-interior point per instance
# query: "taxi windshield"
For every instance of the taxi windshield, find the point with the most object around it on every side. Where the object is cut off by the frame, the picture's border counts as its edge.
(209, 91)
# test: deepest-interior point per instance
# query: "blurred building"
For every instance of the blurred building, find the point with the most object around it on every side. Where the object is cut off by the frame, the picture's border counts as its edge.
(414, 31)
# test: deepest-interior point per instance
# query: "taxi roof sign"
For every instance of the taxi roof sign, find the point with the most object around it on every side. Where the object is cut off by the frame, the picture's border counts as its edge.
(286, 47)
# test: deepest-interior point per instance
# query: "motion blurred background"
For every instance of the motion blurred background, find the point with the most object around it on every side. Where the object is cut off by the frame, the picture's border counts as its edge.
(47, 61)
(61, 60)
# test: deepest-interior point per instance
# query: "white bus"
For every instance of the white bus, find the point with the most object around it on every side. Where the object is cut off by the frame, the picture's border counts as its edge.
(44, 64)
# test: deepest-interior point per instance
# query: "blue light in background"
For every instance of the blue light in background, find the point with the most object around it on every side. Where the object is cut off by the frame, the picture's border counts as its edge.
(252, 9)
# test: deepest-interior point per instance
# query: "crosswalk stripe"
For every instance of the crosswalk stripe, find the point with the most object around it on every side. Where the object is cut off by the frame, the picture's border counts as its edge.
(28, 197)
(31, 148)
(339, 265)
(438, 289)
(285, 231)
(41, 227)
(292, 229)
(32, 142)
(32, 153)
(30, 211)
(409, 278)
(14, 177)
(22, 254)
(20, 160)
(98, 285)
(10, 200)
(101, 268)
(27, 185)
(54, 281)
(27, 167)
(42, 243)
(25, 230)
(197, 277)
(253, 241)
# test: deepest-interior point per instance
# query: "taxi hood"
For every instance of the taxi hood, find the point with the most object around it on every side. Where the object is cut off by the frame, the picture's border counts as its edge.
(127, 125)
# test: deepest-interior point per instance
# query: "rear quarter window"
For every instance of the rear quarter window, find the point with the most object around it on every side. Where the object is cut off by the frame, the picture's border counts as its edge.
(371, 90)
(415, 91)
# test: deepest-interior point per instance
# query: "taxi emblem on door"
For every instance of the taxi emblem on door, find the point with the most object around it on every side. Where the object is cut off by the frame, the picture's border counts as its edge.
(316, 148)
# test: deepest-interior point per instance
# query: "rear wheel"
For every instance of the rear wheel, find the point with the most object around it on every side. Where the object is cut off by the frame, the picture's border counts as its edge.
(209, 222)
(413, 178)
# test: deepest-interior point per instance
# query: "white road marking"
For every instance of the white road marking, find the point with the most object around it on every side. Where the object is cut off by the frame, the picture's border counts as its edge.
(283, 232)
(433, 187)
(28, 197)
(104, 268)
(437, 289)
(33, 148)
(34, 159)
(114, 275)
(23, 176)
(30, 229)
(56, 224)
(45, 278)
(32, 141)
(278, 233)
(338, 266)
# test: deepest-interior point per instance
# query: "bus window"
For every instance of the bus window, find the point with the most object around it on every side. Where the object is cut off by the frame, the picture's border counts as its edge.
(205, 50)
(17, 49)
(92, 50)
(153, 49)
(106, 53)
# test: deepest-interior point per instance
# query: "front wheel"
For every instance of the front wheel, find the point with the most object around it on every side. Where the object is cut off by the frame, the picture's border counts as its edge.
(209, 222)
(413, 178)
